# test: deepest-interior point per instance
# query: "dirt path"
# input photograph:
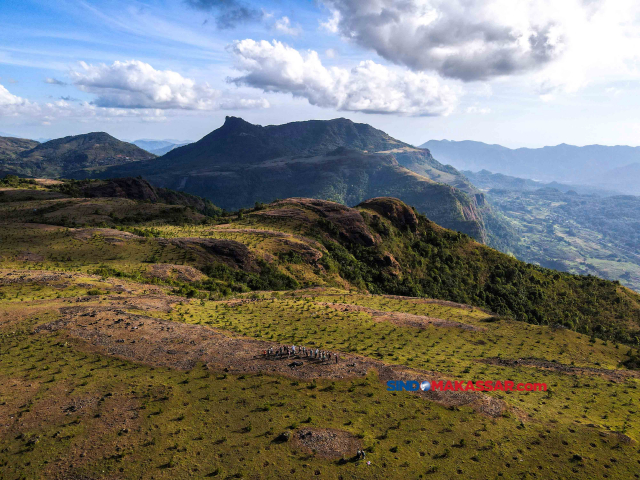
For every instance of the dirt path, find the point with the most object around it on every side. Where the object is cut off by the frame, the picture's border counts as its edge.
(434, 301)
(614, 375)
(113, 331)
(399, 318)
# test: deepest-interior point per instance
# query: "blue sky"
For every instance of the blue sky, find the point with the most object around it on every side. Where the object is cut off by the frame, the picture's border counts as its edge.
(518, 73)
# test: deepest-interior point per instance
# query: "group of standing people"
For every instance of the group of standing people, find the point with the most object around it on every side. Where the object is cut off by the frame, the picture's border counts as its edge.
(301, 352)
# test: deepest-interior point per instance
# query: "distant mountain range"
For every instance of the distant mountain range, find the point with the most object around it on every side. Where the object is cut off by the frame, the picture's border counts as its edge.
(5, 134)
(614, 168)
(240, 164)
(159, 147)
(64, 156)
(11, 135)
(485, 180)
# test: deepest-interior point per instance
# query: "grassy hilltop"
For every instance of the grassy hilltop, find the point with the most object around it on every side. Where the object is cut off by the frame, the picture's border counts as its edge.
(133, 320)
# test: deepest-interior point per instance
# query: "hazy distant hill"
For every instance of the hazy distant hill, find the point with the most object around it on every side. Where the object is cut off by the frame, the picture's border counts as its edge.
(158, 147)
(240, 164)
(5, 134)
(11, 147)
(63, 156)
(625, 179)
(562, 163)
(485, 180)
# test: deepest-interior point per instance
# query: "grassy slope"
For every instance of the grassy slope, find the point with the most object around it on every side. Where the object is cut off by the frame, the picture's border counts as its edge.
(428, 261)
(69, 412)
(74, 414)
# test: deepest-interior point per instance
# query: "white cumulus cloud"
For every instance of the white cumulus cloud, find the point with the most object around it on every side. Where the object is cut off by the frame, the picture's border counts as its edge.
(49, 112)
(13, 105)
(137, 85)
(561, 46)
(463, 39)
(368, 87)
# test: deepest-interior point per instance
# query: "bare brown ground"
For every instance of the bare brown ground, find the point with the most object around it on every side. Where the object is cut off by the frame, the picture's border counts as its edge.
(183, 273)
(120, 412)
(42, 277)
(114, 412)
(56, 279)
(14, 392)
(326, 443)
(399, 318)
(147, 303)
(48, 181)
(110, 235)
(113, 331)
(11, 317)
(613, 375)
(29, 257)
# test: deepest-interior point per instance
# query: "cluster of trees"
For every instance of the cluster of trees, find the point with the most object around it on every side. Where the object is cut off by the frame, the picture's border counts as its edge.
(448, 265)
(14, 181)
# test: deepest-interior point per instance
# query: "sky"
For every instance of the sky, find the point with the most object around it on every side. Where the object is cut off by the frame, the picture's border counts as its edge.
(520, 73)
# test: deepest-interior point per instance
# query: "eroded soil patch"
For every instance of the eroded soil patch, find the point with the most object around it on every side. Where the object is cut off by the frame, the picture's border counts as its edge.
(183, 273)
(327, 442)
(148, 340)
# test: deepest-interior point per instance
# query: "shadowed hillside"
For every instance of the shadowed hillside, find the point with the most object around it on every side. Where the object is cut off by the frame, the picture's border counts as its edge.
(64, 156)
(381, 246)
(240, 164)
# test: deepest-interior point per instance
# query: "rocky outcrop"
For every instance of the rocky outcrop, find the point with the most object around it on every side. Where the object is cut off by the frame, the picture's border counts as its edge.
(210, 250)
(400, 215)
(347, 222)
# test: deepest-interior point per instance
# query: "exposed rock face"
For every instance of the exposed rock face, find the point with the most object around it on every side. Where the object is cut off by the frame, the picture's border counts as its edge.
(480, 199)
(402, 216)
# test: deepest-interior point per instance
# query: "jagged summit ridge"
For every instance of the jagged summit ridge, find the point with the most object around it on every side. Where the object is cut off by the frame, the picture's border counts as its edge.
(240, 164)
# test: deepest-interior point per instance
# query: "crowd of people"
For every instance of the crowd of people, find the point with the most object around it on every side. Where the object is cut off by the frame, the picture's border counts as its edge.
(292, 351)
